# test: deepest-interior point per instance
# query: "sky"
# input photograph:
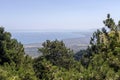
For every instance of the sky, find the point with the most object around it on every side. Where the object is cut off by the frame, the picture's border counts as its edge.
(56, 15)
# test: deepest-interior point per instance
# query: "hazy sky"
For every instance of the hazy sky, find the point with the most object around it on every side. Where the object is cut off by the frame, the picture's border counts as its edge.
(56, 15)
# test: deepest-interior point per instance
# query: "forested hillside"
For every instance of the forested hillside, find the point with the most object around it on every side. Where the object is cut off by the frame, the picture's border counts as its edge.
(100, 61)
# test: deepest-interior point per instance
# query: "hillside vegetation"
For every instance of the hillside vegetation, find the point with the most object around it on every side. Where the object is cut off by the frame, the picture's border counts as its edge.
(100, 61)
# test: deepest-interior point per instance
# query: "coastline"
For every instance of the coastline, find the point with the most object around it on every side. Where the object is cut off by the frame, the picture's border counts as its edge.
(75, 44)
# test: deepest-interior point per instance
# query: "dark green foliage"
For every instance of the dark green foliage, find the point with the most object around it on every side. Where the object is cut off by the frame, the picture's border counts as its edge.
(14, 64)
(101, 59)
(10, 49)
(57, 53)
(109, 22)
(56, 59)
(79, 54)
(104, 61)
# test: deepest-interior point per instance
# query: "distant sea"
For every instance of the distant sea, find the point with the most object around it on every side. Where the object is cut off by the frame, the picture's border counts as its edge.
(39, 37)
